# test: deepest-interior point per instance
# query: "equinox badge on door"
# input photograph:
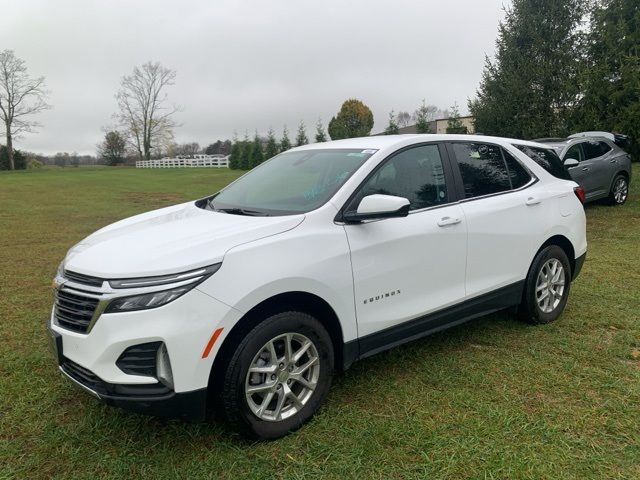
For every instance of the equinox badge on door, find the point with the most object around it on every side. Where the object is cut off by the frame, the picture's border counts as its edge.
(382, 296)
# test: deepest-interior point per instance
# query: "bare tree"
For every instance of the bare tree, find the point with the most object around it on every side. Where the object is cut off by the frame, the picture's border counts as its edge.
(144, 111)
(187, 149)
(20, 97)
(403, 119)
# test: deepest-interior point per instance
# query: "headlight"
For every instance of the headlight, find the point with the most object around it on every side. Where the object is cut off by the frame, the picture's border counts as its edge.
(181, 283)
(148, 300)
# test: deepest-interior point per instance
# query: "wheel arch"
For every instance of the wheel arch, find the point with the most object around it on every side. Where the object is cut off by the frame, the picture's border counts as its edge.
(564, 243)
(622, 172)
(288, 301)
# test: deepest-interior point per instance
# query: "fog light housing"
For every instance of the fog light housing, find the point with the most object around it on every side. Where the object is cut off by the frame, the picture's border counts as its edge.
(163, 367)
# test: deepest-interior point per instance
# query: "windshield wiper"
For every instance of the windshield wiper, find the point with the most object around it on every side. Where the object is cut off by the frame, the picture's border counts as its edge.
(241, 211)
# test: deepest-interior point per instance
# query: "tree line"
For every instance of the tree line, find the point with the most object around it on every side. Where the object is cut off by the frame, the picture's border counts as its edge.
(560, 67)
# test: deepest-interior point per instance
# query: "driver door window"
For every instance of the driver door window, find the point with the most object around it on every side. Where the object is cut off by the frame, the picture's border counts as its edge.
(416, 174)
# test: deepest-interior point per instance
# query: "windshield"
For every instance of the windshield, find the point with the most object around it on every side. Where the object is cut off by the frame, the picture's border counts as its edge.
(290, 183)
(547, 159)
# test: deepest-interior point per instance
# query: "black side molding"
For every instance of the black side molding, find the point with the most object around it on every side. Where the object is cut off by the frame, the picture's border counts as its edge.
(485, 304)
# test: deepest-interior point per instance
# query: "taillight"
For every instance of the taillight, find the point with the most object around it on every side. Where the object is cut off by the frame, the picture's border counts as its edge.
(579, 191)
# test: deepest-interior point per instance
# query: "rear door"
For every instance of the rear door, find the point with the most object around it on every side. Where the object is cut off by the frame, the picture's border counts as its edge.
(598, 162)
(504, 207)
(404, 268)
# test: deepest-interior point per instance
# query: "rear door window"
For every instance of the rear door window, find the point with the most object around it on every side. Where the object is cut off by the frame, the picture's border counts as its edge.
(518, 175)
(592, 149)
(604, 148)
(482, 169)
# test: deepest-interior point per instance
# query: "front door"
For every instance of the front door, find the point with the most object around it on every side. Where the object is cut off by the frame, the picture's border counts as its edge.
(586, 174)
(406, 267)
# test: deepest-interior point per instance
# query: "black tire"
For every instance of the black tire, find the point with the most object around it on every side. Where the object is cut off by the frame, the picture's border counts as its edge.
(615, 197)
(235, 404)
(530, 310)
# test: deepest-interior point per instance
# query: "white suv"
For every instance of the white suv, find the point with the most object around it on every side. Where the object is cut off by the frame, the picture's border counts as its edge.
(251, 298)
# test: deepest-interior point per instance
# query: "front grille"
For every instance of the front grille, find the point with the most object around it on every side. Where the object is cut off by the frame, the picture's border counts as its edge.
(139, 359)
(74, 312)
(83, 279)
(93, 382)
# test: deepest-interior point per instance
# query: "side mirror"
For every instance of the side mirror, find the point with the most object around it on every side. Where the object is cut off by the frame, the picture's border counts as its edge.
(571, 162)
(378, 206)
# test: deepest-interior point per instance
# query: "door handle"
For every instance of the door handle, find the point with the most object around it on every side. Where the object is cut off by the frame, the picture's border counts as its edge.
(585, 169)
(532, 201)
(444, 221)
(613, 160)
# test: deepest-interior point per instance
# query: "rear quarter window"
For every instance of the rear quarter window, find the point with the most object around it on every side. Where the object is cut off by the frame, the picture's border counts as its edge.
(547, 159)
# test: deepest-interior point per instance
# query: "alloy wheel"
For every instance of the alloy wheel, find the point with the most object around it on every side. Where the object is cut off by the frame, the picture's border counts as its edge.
(282, 377)
(620, 190)
(550, 285)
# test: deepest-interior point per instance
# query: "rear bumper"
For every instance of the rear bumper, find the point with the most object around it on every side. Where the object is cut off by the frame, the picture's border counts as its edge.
(151, 399)
(578, 265)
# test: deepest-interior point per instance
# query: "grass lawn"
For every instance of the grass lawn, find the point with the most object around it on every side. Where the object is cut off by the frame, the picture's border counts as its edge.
(492, 399)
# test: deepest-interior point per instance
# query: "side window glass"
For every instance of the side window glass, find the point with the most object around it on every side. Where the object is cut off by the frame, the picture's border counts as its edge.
(604, 148)
(517, 173)
(591, 150)
(575, 151)
(415, 174)
(482, 169)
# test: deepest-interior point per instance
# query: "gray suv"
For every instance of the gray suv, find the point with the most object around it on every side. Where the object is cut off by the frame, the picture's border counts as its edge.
(596, 163)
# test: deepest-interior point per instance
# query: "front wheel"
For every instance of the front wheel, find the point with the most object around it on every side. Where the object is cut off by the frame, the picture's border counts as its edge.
(278, 376)
(547, 285)
(619, 190)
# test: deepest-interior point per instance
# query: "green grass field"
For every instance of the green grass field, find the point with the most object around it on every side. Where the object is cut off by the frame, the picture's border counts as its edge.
(492, 399)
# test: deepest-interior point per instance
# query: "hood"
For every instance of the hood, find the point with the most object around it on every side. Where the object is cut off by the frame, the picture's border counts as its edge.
(170, 240)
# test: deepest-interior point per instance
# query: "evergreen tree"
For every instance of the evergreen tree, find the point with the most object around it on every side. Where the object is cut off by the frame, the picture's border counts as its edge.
(301, 137)
(392, 128)
(247, 153)
(320, 135)
(236, 154)
(272, 146)
(256, 151)
(423, 115)
(611, 79)
(285, 143)
(354, 119)
(454, 125)
(19, 162)
(529, 89)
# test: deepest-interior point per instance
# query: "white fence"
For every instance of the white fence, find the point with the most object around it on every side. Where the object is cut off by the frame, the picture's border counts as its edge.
(197, 161)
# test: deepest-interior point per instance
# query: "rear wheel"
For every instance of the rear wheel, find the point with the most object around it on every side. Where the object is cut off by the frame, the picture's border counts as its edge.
(278, 376)
(547, 286)
(619, 190)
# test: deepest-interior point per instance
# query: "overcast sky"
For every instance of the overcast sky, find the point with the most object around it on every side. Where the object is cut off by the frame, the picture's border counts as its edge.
(246, 65)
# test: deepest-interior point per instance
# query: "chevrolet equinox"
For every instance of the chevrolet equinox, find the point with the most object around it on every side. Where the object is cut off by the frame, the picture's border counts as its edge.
(251, 298)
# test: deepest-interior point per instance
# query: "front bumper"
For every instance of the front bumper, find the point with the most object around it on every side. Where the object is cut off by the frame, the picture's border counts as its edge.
(184, 326)
(150, 399)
